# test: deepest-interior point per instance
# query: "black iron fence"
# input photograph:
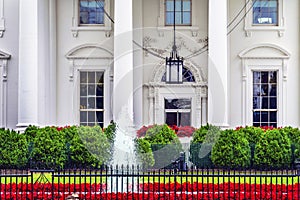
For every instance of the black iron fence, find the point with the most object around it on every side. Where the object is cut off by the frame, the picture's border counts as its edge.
(133, 182)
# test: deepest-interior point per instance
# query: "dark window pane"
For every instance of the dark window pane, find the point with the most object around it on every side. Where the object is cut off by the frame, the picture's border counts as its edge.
(256, 90)
(273, 116)
(99, 77)
(83, 103)
(264, 77)
(273, 77)
(264, 89)
(91, 116)
(83, 77)
(256, 77)
(91, 103)
(91, 77)
(83, 90)
(99, 102)
(99, 90)
(265, 103)
(273, 90)
(171, 119)
(184, 119)
(273, 103)
(83, 116)
(91, 89)
(99, 116)
(257, 102)
(264, 116)
(256, 117)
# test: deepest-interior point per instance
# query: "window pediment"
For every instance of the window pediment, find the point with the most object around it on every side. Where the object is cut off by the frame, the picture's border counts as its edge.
(89, 51)
(265, 51)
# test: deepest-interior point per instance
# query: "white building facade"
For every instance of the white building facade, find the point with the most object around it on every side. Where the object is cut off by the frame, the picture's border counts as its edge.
(87, 62)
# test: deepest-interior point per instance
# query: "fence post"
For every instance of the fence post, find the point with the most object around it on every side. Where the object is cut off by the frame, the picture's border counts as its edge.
(52, 189)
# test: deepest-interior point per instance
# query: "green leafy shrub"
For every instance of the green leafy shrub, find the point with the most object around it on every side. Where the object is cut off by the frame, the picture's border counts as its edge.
(89, 147)
(206, 134)
(49, 148)
(165, 145)
(231, 150)
(251, 133)
(13, 149)
(273, 150)
(201, 145)
(144, 153)
(294, 135)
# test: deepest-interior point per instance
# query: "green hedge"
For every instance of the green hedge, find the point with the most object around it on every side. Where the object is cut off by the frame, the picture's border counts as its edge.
(13, 149)
(273, 150)
(165, 147)
(201, 145)
(232, 150)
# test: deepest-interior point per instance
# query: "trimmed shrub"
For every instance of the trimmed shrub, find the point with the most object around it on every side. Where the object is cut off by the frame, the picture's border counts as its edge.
(49, 148)
(251, 133)
(144, 153)
(232, 150)
(294, 135)
(202, 142)
(165, 145)
(273, 150)
(13, 149)
(89, 147)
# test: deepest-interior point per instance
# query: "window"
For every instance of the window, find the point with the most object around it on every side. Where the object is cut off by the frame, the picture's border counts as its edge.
(178, 112)
(91, 98)
(265, 98)
(182, 12)
(265, 12)
(187, 76)
(91, 12)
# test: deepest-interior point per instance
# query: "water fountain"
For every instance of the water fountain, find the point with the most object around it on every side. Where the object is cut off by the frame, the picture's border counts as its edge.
(124, 157)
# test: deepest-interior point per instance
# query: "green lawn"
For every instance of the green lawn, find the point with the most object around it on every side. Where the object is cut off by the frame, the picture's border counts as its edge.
(167, 178)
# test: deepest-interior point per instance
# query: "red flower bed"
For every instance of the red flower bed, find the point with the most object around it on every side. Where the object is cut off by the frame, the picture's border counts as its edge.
(149, 191)
(181, 131)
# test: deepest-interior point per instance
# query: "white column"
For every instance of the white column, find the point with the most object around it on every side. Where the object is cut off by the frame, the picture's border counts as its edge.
(217, 68)
(123, 60)
(138, 63)
(28, 63)
(37, 64)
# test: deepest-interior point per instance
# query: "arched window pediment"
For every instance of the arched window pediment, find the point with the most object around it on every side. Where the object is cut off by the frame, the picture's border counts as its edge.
(264, 51)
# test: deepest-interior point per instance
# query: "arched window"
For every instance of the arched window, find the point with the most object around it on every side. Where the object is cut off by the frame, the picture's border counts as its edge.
(187, 76)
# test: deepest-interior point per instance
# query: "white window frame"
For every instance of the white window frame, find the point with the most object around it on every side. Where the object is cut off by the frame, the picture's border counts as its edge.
(191, 14)
(2, 20)
(161, 27)
(82, 62)
(250, 27)
(79, 95)
(178, 110)
(76, 27)
(253, 59)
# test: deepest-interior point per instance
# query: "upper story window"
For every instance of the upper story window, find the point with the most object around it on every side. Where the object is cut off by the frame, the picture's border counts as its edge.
(91, 12)
(182, 12)
(265, 12)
